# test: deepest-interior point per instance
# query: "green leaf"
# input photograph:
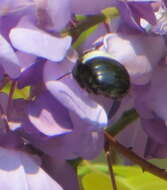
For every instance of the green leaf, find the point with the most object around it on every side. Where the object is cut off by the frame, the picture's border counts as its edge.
(135, 178)
(22, 93)
(87, 168)
(18, 93)
(127, 178)
(101, 181)
(127, 171)
(147, 181)
(111, 12)
(84, 36)
(161, 163)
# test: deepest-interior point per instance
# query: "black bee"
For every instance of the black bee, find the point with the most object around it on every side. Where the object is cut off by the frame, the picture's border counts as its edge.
(99, 74)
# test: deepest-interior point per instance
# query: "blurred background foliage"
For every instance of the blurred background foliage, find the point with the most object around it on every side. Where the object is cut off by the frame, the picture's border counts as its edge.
(94, 175)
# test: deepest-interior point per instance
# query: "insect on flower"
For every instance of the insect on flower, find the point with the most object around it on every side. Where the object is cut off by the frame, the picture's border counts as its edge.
(100, 74)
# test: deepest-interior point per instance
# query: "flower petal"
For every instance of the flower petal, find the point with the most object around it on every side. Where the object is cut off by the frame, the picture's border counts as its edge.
(8, 59)
(68, 92)
(39, 43)
(49, 116)
(23, 173)
(137, 53)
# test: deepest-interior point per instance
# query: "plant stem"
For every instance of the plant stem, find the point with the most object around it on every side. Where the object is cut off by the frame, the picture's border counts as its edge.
(126, 118)
(11, 93)
(146, 166)
(112, 176)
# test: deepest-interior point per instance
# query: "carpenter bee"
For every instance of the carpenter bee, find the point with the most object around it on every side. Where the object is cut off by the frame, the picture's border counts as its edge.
(98, 73)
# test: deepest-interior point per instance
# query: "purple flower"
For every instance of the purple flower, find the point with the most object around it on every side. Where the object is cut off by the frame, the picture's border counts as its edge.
(153, 113)
(23, 172)
(67, 124)
(61, 121)
(62, 172)
(54, 15)
(29, 39)
(8, 59)
(136, 52)
(81, 7)
(132, 12)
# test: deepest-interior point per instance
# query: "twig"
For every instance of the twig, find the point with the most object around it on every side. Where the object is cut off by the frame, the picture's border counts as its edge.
(146, 166)
(4, 119)
(109, 161)
(11, 93)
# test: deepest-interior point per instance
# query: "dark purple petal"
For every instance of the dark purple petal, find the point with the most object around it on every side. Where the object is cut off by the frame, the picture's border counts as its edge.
(31, 75)
(143, 10)
(132, 12)
(8, 59)
(155, 150)
(26, 60)
(49, 116)
(12, 11)
(165, 2)
(127, 17)
(156, 129)
(62, 172)
(42, 117)
(134, 137)
(47, 126)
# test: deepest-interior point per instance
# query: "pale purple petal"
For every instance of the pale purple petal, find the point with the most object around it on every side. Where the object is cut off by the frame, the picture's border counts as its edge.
(8, 59)
(151, 104)
(59, 12)
(8, 6)
(18, 171)
(53, 15)
(137, 53)
(85, 7)
(40, 43)
(26, 60)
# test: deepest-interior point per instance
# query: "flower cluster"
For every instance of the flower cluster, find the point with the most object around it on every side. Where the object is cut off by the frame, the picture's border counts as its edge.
(59, 120)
